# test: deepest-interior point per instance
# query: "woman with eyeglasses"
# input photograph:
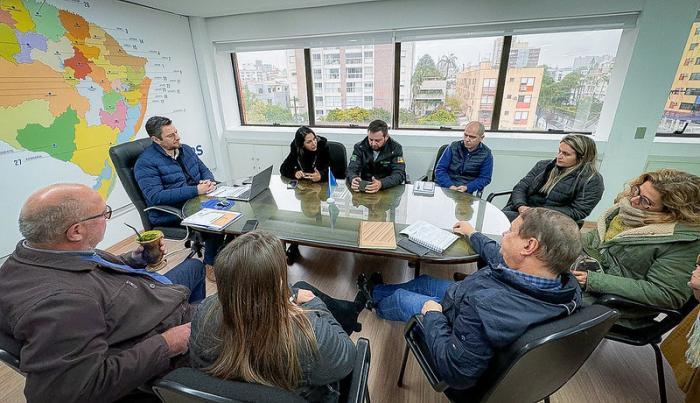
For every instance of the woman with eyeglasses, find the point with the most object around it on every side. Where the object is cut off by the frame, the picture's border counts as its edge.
(258, 330)
(646, 243)
(569, 184)
(309, 157)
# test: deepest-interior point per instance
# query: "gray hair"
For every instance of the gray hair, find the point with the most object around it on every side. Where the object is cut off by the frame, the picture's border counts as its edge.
(48, 223)
(480, 129)
(558, 236)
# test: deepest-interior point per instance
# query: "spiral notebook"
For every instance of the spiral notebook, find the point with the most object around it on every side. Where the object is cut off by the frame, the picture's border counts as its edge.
(430, 236)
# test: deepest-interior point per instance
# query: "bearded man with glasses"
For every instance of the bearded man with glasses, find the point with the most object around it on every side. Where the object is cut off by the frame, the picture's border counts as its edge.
(644, 246)
(93, 326)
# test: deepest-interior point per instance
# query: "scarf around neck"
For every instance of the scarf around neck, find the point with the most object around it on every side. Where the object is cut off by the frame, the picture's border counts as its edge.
(634, 217)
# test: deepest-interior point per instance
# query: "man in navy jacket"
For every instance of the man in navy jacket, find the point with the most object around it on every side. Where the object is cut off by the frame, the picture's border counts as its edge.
(170, 173)
(524, 283)
(466, 165)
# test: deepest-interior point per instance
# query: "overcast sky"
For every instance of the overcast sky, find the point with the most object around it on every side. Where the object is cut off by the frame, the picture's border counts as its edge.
(556, 50)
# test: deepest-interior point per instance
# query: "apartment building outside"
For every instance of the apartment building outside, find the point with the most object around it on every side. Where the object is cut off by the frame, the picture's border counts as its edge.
(476, 90)
(521, 54)
(347, 77)
(683, 103)
(431, 95)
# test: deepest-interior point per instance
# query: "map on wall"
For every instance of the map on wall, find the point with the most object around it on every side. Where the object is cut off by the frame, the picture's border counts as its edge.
(74, 81)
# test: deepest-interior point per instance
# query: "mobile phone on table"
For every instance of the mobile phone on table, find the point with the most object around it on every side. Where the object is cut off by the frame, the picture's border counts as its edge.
(363, 185)
(249, 226)
(292, 184)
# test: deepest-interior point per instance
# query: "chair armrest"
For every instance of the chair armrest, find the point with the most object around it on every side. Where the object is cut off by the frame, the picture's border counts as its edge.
(414, 333)
(618, 302)
(10, 350)
(491, 196)
(415, 321)
(358, 386)
(192, 385)
(166, 209)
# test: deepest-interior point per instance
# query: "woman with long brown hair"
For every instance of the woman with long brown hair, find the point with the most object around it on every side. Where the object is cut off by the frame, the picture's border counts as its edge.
(644, 246)
(258, 330)
(569, 184)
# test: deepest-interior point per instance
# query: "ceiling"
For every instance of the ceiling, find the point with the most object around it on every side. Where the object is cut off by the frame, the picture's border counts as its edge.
(218, 8)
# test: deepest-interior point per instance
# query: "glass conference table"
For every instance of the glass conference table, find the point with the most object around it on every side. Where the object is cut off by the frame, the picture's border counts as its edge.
(303, 216)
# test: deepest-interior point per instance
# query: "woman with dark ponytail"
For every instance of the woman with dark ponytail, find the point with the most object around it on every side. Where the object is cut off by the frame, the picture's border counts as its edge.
(309, 157)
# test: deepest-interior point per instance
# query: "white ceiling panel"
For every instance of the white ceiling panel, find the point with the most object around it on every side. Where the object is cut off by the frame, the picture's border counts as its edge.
(218, 8)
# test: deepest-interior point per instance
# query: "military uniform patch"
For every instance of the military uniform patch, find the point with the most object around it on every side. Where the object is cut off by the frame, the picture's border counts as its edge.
(400, 160)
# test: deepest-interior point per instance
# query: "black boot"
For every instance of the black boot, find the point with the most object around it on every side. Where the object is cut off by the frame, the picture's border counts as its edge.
(366, 286)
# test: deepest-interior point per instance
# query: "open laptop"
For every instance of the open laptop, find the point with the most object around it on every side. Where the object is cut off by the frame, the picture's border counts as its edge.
(260, 182)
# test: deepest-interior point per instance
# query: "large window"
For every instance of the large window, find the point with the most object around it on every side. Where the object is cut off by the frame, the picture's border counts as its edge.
(356, 98)
(442, 84)
(558, 81)
(554, 82)
(272, 87)
(681, 115)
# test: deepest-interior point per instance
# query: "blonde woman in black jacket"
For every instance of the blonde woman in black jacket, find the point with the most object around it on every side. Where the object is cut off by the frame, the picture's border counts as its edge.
(569, 184)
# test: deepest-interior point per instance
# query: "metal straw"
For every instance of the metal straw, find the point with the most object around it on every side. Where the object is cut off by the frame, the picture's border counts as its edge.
(138, 236)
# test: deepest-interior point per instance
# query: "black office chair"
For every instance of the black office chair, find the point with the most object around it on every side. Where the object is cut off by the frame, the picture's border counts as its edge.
(647, 335)
(535, 366)
(124, 158)
(430, 175)
(9, 351)
(339, 159)
(191, 385)
(493, 195)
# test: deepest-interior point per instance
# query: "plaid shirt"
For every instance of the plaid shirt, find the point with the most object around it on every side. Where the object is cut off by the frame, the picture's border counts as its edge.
(539, 282)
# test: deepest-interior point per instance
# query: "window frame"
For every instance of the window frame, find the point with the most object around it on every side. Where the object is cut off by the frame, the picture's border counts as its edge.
(309, 64)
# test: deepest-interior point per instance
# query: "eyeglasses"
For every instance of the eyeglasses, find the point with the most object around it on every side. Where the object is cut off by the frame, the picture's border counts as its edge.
(107, 214)
(643, 200)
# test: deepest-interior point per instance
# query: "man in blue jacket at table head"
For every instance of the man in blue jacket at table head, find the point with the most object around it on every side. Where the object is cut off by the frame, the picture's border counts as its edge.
(525, 281)
(466, 165)
(170, 173)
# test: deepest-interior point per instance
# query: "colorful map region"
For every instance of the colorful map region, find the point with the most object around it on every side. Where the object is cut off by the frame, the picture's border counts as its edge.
(69, 89)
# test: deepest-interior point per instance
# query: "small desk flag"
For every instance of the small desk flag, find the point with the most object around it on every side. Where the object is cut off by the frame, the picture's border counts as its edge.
(332, 183)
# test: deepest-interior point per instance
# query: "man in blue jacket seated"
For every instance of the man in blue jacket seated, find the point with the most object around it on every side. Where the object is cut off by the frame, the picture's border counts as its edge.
(466, 165)
(525, 282)
(170, 173)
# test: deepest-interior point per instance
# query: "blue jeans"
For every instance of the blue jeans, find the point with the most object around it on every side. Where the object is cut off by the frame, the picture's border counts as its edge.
(401, 301)
(190, 273)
